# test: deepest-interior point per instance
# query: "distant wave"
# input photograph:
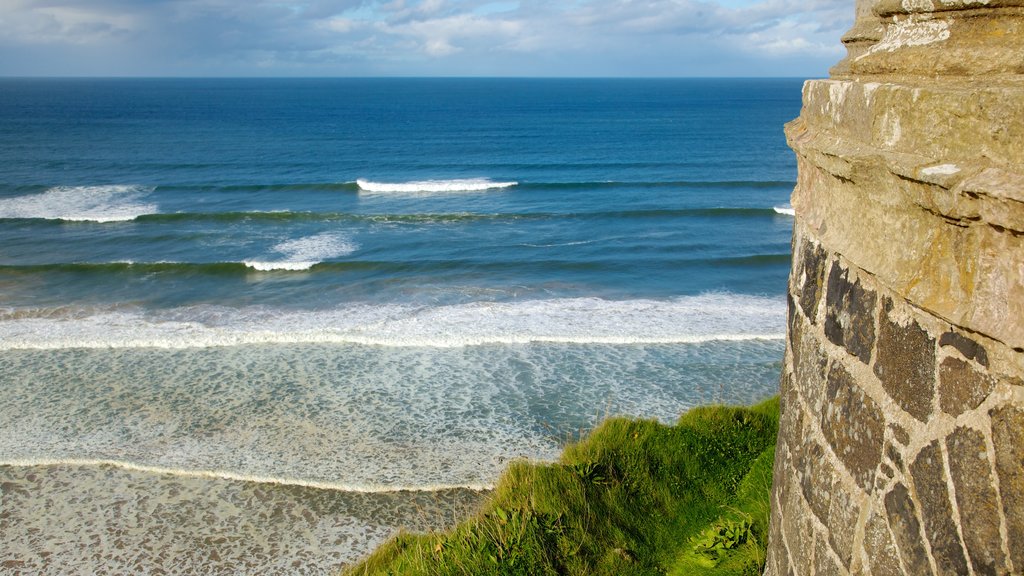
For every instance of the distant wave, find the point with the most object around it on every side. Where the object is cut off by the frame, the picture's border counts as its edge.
(433, 186)
(786, 210)
(114, 203)
(689, 319)
(320, 263)
(285, 216)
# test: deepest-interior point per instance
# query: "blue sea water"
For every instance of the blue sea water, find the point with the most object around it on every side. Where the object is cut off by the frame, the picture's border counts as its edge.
(368, 285)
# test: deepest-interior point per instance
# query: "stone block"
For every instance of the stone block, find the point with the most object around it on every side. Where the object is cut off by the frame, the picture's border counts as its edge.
(799, 532)
(883, 560)
(906, 364)
(843, 511)
(969, 348)
(977, 501)
(906, 528)
(824, 563)
(849, 314)
(811, 370)
(853, 425)
(937, 511)
(812, 276)
(961, 387)
(1008, 439)
(816, 478)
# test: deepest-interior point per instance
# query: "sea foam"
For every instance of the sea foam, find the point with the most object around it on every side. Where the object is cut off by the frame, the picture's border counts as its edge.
(304, 253)
(433, 186)
(114, 203)
(688, 319)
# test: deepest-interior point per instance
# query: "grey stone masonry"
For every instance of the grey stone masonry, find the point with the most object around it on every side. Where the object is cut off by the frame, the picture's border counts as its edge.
(901, 437)
(909, 463)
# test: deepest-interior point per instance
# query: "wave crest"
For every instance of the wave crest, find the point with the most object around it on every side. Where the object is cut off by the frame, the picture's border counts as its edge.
(304, 253)
(113, 203)
(433, 186)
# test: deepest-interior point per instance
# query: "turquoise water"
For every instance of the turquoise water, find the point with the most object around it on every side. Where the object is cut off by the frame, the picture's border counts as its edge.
(368, 286)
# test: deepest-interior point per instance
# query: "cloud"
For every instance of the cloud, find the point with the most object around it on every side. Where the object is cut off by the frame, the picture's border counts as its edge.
(425, 37)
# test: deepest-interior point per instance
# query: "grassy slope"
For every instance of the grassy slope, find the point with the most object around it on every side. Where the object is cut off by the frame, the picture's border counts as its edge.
(635, 497)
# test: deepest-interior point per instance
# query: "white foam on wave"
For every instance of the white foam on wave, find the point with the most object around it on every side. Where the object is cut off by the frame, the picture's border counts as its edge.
(786, 210)
(364, 488)
(304, 253)
(688, 319)
(433, 186)
(114, 203)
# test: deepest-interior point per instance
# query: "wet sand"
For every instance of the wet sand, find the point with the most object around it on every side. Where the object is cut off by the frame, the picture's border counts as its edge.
(67, 519)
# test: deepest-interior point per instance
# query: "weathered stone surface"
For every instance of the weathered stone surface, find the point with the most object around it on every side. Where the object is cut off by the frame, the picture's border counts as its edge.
(799, 532)
(853, 425)
(937, 511)
(976, 499)
(900, 434)
(810, 368)
(824, 563)
(961, 387)
(894, 456)
(843, 510)
(849, 314)
(906, 364)
(883, 560)
(969, 348)
(906, 528)
(812, 278)
(1008, 438)
(816, 479)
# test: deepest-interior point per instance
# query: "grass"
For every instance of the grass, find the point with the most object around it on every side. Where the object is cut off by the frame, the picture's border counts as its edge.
(635, 497)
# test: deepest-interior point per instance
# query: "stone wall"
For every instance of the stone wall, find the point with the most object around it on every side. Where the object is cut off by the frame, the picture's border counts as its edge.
(901, 447)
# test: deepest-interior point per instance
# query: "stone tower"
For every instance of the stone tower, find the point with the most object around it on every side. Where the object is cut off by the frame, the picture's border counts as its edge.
(901, 446)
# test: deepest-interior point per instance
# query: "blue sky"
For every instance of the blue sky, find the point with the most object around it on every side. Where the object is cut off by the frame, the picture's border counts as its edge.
(421, 37)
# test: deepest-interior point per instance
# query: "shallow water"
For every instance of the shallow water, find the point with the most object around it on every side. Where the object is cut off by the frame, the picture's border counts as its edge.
(240, 318)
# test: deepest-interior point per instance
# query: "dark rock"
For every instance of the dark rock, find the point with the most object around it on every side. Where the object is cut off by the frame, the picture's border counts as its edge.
(906, 364)
(899, 434)
(894, 456)
(1008, 438)
(969, 348)
(881, 552)
(813, 275)
(906, 528)
(853, 425)
(849, 314)
(961, 387)
(937, 511)
(976, 499)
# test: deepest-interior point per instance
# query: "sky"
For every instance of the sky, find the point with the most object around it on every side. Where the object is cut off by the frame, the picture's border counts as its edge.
(533, 38)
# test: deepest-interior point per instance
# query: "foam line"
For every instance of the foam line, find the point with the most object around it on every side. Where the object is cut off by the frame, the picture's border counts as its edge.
(433, 186)
(227, 475)
(683, 320)
(787, 210)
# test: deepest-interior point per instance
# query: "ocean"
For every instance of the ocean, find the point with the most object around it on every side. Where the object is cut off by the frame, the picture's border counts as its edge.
(258, 325)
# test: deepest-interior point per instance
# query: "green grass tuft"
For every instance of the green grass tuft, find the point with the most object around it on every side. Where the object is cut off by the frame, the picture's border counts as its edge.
(635, 497)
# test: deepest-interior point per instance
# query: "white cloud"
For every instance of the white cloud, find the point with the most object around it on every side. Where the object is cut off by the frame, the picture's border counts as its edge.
(490, 37)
